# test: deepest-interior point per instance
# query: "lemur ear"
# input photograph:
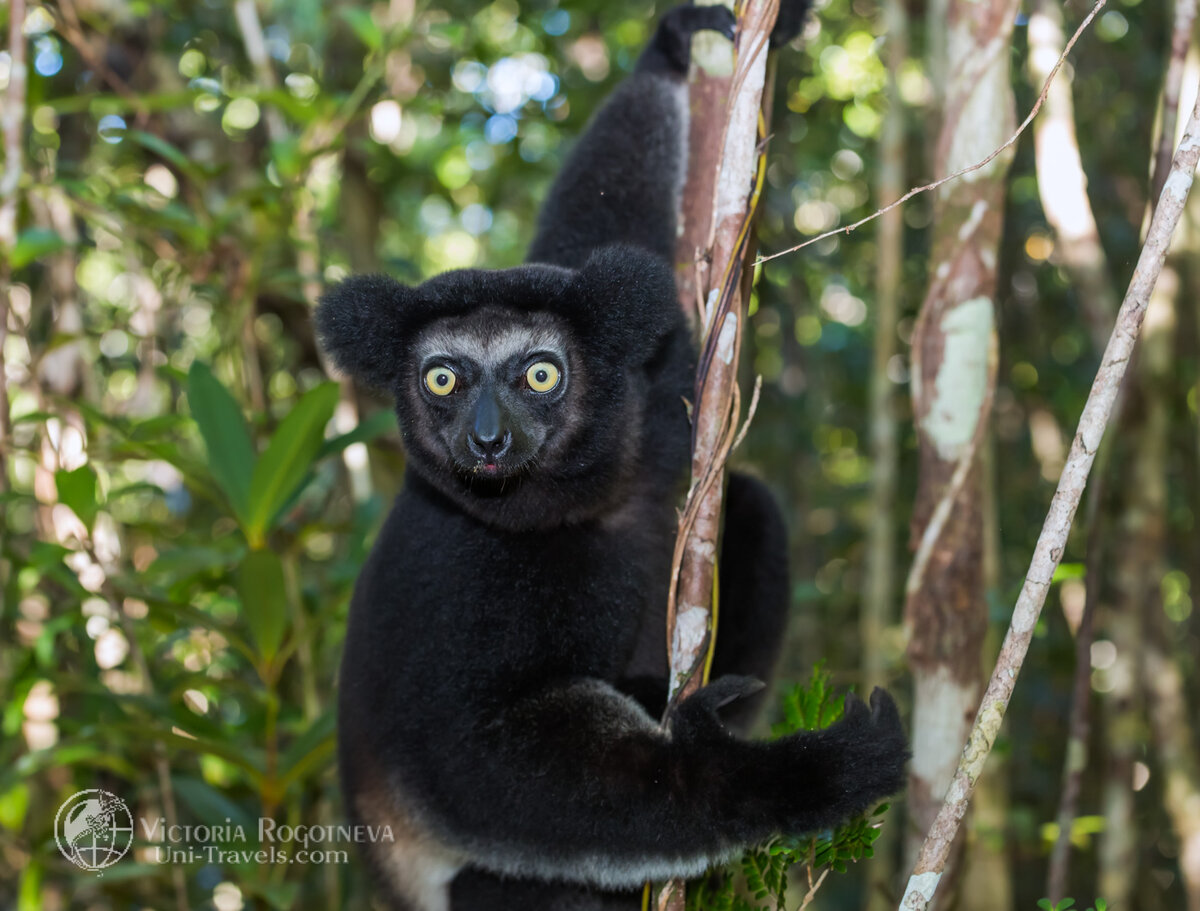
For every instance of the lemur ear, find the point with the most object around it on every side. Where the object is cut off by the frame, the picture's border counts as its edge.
(627, 301)
(362, 324)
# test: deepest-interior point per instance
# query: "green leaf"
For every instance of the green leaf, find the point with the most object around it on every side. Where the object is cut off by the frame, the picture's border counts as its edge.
(378, 424)
(212, 807)
(34, 244)
(367, 30)
(77, 489)
(13, 805)
(287, 459)
(230, 452)
(1068, 571)
(168, 153)
(260, 584)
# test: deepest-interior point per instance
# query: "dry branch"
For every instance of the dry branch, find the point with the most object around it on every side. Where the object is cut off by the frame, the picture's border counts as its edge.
(1053, 539)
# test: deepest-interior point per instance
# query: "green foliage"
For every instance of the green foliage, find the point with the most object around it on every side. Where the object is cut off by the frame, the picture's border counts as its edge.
(162, 277)
(762, 874)
(1069, 903)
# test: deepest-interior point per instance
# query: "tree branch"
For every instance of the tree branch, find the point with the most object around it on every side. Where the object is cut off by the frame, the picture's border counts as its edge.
(1053, 539)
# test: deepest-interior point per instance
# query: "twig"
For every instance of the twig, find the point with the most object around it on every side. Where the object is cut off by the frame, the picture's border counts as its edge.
(916, 191)
(1052, 542)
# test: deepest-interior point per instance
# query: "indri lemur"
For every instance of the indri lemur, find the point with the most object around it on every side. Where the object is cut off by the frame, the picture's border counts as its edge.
(505, 661)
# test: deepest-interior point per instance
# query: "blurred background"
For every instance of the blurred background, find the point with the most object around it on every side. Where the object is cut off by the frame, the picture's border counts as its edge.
(187, 497)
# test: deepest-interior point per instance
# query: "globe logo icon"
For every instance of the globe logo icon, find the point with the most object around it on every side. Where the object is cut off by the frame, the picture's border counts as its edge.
(94, 829)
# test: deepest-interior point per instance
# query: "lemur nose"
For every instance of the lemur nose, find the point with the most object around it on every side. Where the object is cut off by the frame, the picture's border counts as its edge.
(489, 447)
(488, 438)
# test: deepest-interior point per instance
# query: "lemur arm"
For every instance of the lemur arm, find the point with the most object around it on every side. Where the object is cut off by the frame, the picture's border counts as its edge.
(580, 784)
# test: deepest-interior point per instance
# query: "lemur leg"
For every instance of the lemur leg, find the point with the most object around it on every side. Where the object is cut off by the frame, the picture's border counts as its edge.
(754, 591)
(622, 181)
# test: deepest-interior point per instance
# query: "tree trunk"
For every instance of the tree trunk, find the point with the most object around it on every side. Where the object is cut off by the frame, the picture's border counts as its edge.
(953, 380)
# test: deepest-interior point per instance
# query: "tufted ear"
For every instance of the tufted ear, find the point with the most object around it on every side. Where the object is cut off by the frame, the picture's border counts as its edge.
(362, 324)
(628, 302)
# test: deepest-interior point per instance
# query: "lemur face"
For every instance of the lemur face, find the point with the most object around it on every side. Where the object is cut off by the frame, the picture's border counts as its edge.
(492, 394)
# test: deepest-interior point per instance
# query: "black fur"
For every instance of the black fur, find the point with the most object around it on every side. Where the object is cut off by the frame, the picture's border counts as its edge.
(502, 624)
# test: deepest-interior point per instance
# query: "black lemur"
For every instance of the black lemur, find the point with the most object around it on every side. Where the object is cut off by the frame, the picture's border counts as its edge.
(505, 660)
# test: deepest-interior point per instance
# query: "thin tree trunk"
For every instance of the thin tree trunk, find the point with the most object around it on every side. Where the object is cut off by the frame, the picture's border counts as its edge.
(723, 292)
(1062, 185)
(928, 871)
(953, 380)
(1163, 681)
(879, 604)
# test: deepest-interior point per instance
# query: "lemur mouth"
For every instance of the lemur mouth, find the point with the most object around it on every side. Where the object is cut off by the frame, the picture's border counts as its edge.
(492, 477)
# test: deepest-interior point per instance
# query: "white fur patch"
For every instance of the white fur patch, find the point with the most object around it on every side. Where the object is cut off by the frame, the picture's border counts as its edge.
(492, 347)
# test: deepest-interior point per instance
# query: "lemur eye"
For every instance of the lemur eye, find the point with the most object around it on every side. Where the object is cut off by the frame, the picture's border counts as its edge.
(542, 376)
(440, 380)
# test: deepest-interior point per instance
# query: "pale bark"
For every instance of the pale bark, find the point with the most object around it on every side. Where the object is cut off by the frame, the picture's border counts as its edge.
(923, 883)
(721, 289)
(1062, 184)
(1181, 40)
(953, 377)
(715, 412)
(1062, 187)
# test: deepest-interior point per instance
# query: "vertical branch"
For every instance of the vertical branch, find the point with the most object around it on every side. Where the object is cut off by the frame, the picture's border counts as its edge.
(953, 381)
(1181, 40)
(1052, 541)
(13, 121)
(708, 99)
(715, 412)
(731, 202)
(879, 608)
(1062, 184)
(1079, 727)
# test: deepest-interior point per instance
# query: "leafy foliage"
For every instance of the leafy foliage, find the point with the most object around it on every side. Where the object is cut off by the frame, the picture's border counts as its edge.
(1068, 903)
(762, 874)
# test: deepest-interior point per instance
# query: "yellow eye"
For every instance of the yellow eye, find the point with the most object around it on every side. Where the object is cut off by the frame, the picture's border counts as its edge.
(542, 376)
(440, 380)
